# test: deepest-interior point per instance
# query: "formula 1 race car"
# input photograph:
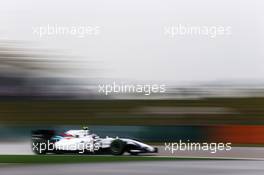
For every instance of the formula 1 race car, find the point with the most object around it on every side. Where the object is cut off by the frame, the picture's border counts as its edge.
(83, 142)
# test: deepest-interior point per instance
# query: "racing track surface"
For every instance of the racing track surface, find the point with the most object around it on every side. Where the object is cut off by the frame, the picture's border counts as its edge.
(197, 167)
(23, 147)
(182, 167)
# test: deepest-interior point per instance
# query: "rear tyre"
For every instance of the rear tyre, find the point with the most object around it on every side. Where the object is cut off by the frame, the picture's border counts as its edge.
(117, 147)
(39, 146)
(41, 141)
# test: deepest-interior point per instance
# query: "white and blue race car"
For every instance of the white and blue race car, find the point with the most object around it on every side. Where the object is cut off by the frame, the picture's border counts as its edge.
(84, 142)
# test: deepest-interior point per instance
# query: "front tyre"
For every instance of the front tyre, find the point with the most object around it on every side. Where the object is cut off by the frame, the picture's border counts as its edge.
(117, 147)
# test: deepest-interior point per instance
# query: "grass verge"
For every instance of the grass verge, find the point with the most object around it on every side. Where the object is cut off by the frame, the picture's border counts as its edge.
(35, 159)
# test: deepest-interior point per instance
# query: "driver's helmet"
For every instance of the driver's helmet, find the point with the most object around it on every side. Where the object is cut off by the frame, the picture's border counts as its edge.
(86, 129)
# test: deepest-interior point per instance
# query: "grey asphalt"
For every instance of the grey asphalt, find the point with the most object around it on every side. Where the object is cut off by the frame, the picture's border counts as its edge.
(24, 147)
(197, 167)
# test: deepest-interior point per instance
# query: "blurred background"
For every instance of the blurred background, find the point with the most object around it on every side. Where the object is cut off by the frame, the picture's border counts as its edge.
(214, 86)
(37, 92)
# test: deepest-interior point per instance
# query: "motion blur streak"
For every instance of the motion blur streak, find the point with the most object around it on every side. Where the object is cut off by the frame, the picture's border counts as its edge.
(48, 90)
(142, 168)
